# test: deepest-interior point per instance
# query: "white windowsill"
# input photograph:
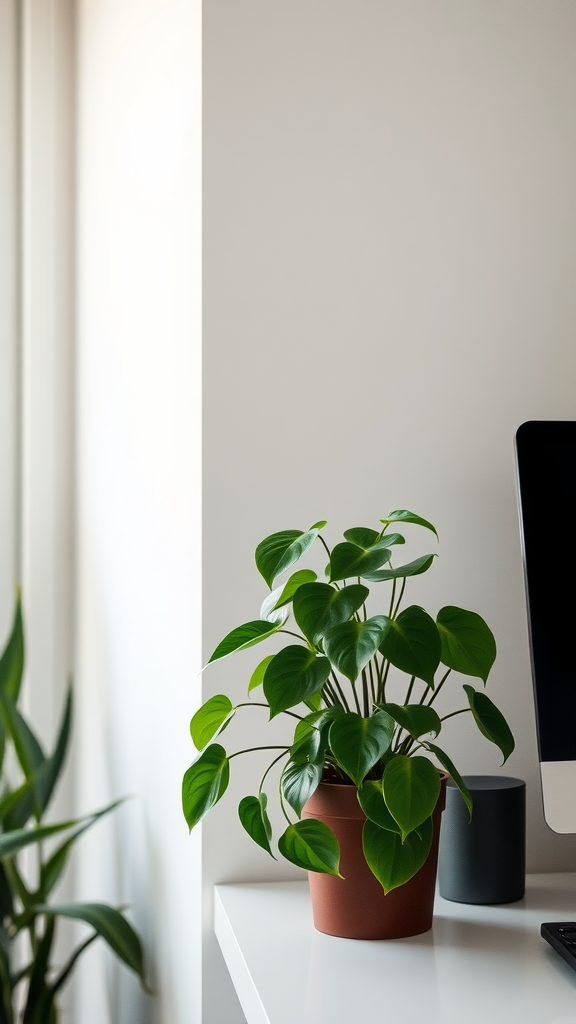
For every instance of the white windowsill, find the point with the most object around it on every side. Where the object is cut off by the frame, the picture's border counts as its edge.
(479, 964)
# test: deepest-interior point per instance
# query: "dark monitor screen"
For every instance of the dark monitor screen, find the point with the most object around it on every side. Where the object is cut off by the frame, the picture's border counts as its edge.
(546, 460)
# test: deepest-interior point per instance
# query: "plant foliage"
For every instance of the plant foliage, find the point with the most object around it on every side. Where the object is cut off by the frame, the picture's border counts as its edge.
(29, 983)
(361, 687)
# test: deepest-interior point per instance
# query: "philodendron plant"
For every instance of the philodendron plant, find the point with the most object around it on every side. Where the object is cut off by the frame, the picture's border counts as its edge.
(360, 688)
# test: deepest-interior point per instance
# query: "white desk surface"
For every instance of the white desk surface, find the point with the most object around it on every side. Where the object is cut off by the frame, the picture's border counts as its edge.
(478, 964)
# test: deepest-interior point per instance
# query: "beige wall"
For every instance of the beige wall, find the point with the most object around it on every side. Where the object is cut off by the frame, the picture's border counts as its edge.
(390, 251)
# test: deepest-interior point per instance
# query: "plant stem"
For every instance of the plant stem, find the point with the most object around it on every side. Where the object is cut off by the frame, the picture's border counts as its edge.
(453, 713)
(250, 750)
(322, 541)
(356, 698)
(258, 704)
(410, 688)
(372, 684)
(365, 695)
(275, 761)
(340, 691)
(399, 601)
(437, 690)
(382, 691)
(290, 633)
(392, 599)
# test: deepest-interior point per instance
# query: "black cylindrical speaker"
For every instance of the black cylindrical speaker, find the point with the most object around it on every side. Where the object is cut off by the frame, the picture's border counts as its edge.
(484, 860)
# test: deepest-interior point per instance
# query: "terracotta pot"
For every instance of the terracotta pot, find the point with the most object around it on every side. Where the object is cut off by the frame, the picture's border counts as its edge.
(355, 906)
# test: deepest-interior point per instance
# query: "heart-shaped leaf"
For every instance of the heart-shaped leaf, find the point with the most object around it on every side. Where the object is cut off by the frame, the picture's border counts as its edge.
(412, 643)
(362, 536)
(318, 607)
(253, 815)
(293, 675)
(244, 636)
(273, 607)
(490, 721)
(279, 551)
(351, 644)
(392, 861)
(416, 719)
(311, 845)
(293, 583)
(468, 644)
(415, 568)
(210, 718)
(402, 515)
(371, 800)
(454, 774)
(358, 743)
(257, 677)
(204, 783)
(311, 734)
(300, 779)
(348, 560)
(411, 787)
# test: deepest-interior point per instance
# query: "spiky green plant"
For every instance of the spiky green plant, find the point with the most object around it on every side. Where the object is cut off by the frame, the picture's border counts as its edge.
(30, 983)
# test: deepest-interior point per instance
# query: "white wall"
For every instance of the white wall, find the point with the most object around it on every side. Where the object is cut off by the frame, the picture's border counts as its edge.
(138, 471)
(390, 251)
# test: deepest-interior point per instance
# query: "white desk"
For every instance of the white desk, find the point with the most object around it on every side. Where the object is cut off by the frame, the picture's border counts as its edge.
(478, 965)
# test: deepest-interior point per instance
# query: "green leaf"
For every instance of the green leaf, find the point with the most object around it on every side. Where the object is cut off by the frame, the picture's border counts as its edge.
(257, 677)
(490, 721)
(411, 787)
(39, 994)
(454, 774)
(416, 719)
(244, 636)
(348, 560)
(311, 845)
(392, 861)
(279, 551)
(358, 743)
(402, 515)
(415, 568)
(294, 674)
(362, 536)
(468, 644)
(269, 610)
(209, 719)
(320, 525)
(293, 583)
(412, 643)
(318, 607)
(311, 734)
(254, 818)
(110, 925)
(351, 644)
(28, 750)
(14, 841)
(12, 660)
(300, 779)
(371, 800)
(52, 869)
(204, 783)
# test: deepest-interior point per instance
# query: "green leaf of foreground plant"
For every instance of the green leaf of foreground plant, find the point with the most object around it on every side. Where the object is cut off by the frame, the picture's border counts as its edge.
(110, 924)
(411, 787)
(392, 861)
(28, 750)
(351, 644)
(402, 515)
(348, 560)
(254, 818)
(257, 677)
(294, 674)
(415, 568)
(311, 734)
(52, 869)
(39, 996)
(12, 659)
(13, 842)
(318, 607)
(279, 551)
(358, 743)
(311, 845)
(490, 721)
(457, 779)
(300, 779)
(416, 719)
(412, 644)
(244, 636)
(468, 644)
(371, 800)
(209, 719)
(293, 583)
(204, 783)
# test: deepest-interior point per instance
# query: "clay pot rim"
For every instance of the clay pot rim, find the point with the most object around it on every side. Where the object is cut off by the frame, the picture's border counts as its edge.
(353, 809)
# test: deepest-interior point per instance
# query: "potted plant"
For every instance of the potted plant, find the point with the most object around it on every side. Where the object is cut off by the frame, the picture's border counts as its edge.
(30, 982)
(359, 787)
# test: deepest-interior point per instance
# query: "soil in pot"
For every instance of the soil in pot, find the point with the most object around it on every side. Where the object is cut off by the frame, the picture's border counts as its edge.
(355, 906)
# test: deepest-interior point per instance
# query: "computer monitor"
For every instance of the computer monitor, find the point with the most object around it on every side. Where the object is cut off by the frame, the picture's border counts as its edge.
(546, 466)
